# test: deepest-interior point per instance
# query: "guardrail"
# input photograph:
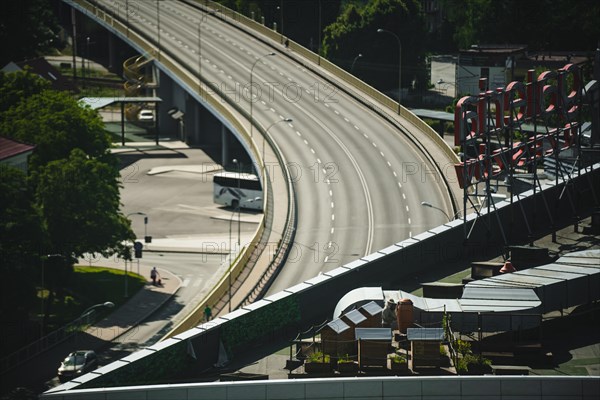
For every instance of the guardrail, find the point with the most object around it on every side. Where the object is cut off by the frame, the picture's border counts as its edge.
(331, 68)
(170, 63)
(48, 341)
(315, 60)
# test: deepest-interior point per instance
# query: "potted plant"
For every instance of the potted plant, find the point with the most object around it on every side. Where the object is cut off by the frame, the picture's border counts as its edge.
(398, 363)
(317, 362)
(346, 365)
(472, 364)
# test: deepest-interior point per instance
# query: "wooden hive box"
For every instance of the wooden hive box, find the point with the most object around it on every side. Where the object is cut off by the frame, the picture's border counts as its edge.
(373, 346)
(372, 311)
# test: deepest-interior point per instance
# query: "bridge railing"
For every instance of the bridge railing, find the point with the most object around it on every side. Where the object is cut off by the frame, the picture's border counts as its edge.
(364, 88)
(218, 103)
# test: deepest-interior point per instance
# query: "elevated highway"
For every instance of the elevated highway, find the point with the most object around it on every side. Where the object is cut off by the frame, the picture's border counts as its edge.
(358, 172)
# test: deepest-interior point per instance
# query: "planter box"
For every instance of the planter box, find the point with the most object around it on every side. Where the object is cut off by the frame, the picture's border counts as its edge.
(316, 368)
(347, 368)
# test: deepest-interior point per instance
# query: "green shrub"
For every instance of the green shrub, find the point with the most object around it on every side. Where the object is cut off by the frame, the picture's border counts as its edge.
(319, 357)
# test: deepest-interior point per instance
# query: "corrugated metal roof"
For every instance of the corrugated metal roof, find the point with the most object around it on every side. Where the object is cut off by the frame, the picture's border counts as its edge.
(472, 291)
(373, 333)
(573, 269)
(101, 102)
(355, 316)
(372, 308)
(425, 334)
(11, 148)
(338, 326)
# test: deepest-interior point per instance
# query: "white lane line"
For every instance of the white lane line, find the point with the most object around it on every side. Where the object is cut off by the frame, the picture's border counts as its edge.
(332, 204)
(263, 102)
(407, 210)
(346, 119)
(272, 109)
(337, 112)
(185, 282)
(333, 217)
(312, 150)
(318, 161)
(389, 164)
(399, 185)
(298, 133)
(306, 142)
(281, 117)
(409, 221)
(365, 135)
(382, 155)
(326, 105)
(403, 196)
(357, 128)
(331, 193)
(374, 144)
(395, 174)
(332, 230)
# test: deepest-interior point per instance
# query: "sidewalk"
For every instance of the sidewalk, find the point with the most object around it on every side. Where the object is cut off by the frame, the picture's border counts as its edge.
(138, 308)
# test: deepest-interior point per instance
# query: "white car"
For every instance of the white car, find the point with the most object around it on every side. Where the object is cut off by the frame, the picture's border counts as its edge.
(146, 116)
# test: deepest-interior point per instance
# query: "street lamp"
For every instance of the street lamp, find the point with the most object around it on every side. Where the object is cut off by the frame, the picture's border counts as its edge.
(108, 304)
(250, 88)
(428, 204)
(230, 260)
(145, 223)
(354, 61)
(267, 133)
(399, 64)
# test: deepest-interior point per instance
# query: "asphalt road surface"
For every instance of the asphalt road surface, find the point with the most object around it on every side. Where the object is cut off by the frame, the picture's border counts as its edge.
(359, 181)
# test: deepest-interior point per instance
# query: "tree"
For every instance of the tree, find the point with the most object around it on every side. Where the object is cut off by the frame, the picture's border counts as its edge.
(18, 86)
(27, 29)
(20, 238)
(79, 201)
(355, 31)
(57, 124)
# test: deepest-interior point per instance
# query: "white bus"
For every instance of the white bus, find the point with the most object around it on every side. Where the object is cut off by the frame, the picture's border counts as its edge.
(235, 189)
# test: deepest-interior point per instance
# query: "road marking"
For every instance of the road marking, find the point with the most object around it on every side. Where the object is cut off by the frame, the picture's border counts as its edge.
(306, 142)
(326, 258)
(407, 210)
(333, 217)
(337, 112)
(198, 282)
(331, 193)
(382, 155)
(312, 150)
(400, 185)
(332, 204)
(319, 160)
(409, 221)
(389, 164)
(374, 144)
(185, 282)
(357, 128)
(332, 230)
(395, 174)
(403, 196)
(346, 119)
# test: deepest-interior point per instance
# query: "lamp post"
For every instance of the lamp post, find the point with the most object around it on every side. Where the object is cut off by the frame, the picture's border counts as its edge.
(230, 260)
(428, 204)
(442, 82)
(108, 304)
(399, 64)
(145, 221)
(354, 61)
(267, 133)
(250, 88)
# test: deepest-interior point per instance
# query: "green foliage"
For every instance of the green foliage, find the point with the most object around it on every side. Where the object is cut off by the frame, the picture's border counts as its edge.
(18, 86)
(56, 124)
(463, 347)
(540, 24)
(397, 359)
(20, 234)
(319, 357)
(28, 29)
(355, 31)
(251, 328)
(345, 359)
(79, 199)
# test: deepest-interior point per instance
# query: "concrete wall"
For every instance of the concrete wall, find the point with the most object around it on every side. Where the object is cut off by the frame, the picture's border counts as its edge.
(385, 388)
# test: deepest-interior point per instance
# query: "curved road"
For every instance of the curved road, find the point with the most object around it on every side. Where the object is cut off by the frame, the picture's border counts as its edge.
(359, 181)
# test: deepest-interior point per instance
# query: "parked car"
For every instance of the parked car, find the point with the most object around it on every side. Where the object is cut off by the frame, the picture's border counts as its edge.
(146, 116)
(76, 364)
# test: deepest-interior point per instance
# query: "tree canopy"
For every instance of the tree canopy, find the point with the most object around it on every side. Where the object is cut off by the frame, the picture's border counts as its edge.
(69, 203)
(28, 29)
(355, 32)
